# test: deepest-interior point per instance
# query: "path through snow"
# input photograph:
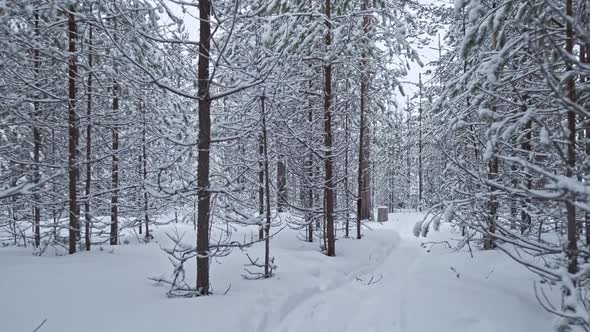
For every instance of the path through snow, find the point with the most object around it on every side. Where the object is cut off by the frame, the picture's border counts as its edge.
(418, 291)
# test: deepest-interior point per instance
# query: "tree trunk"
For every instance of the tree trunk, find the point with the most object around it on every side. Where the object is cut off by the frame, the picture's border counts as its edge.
(88, 144)
(74, 223)
(115, 169)
(420, 146)
(329, 183)
(36, 142)
(204, 196)
(364, 192)
(585, 58)
(267, 270)
(146, 217)
(309, 215)
(572, 234)
(261, 180)
(525, 218)
(346, 189)
(281, 184)
(492, 218)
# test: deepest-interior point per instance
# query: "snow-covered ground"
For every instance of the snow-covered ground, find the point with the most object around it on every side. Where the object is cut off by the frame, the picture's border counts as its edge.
(413, 289)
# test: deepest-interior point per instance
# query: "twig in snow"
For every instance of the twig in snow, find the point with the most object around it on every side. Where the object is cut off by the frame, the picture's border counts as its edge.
(39, 326)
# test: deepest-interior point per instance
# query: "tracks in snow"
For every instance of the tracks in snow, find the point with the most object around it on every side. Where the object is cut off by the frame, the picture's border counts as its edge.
(308, 303)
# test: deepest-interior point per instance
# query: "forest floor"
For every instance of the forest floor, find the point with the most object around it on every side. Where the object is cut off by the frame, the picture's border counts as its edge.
(413, 289)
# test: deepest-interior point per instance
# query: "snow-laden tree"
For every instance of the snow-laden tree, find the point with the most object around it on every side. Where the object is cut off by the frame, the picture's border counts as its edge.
(517, 119)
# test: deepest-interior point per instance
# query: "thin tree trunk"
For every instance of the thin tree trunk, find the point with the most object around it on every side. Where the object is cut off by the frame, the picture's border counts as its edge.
(346, 189)
(525, 218)
(586, 60)
(74, 222)
(309, 164)
(281, 184)
(146, 217)
(88, 143)
(359, 205)
(115, 168)
(420, 147)
(489, 240)
(329, 183)
(572, 234)
(261, 180)
(204, 196)
(36, 142)
(267, 269)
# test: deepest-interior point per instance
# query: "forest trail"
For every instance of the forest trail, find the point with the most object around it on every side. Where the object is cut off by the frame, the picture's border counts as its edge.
(388, 281)
(404, 287)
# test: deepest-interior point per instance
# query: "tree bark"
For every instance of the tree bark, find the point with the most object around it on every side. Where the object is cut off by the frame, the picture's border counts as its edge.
(346, 189)
(267, 269)
(281, 184)
(88, 143)
(492, 218)
(261, 180)
(572, 233)
(309, 215)
(115, 168)
(364, 193)
(420, 185)
(329, 183)
(74, 222)
(36, 142)
(146, 217)
(204, 195)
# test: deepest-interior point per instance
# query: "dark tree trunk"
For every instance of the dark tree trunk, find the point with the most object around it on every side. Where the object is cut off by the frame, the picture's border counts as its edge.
(585, 58)
(115, 169)
(74, 222)
(88, 144)
(346, 189)
(204, 195)
(329, 183)
(572, 233)
(364, 193)
(525, 218)
(261, 180)
(492, 218)
(146, 217)
(36, 142)
(281, 184)
(267, 270)
(309, 215)
(420, 185)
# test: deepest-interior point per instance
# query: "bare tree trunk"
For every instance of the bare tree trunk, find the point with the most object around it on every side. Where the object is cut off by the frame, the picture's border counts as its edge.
(492, 218)
(204, 196)
(115, 169)
(146, 217)
(346, 189)
(363, 204)
(309, 163)
(572, 234)
(359, 213)
(329, 183)
(585, 58)
(36, 142)
(267, 270)
(74, 222)
(420, 147)
(88, 144)
(525, 218)
(261, 180)
(281, 184)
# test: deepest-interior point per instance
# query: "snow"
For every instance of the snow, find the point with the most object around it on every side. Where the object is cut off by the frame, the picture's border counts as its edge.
(388, 281)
